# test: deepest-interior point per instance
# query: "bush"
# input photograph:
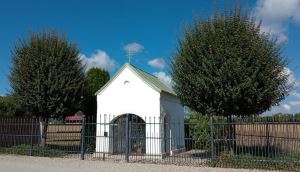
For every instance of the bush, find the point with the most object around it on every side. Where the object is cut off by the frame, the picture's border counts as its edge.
(198, 129)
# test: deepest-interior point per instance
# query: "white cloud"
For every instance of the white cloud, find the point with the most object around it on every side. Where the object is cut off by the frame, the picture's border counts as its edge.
(162, 76)
(289, 107)
(291, 77)
(292, 81)
(98, 59)
(286, 107)
(294, 103)
(133, 47)
(157, 63)
(276, 15)
(295, 94)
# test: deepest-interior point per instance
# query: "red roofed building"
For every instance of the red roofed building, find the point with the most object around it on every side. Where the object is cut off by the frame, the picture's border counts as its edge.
(73, 119)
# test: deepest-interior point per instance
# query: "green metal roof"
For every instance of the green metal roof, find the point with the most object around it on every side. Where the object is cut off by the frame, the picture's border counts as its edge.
(149, 79)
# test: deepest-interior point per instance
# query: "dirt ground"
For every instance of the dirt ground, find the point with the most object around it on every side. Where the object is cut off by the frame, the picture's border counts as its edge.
(11, 163)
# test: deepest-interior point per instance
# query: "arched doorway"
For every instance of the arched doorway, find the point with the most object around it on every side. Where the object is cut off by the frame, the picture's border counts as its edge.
(137, 134)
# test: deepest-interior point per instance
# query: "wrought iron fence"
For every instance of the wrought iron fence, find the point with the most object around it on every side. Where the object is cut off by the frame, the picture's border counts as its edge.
(270, 143)
(24, 136)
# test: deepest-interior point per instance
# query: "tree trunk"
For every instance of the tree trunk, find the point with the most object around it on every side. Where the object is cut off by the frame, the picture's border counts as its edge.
(44, 131)
(231, 142)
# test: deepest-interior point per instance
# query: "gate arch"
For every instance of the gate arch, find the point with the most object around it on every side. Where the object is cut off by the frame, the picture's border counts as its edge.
(137, 134)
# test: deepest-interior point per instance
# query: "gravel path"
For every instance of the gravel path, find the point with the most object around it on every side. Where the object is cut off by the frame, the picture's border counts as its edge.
(10, 163)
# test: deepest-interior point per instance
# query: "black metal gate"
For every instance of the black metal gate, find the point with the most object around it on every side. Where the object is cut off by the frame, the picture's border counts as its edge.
(119, 135)
(131, 134)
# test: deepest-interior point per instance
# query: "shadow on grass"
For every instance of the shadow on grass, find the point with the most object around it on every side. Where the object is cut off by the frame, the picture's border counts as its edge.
(65, 148)
(201, 155)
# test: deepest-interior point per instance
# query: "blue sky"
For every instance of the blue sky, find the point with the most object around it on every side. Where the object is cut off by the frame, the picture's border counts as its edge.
(105, 30)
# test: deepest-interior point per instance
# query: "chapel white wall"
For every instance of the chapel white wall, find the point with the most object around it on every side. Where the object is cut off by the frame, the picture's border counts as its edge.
(134, 97)
(173, 108)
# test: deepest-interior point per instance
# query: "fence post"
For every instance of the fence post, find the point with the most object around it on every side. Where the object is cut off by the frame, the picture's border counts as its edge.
(104, 125)
(127, 138)
(82, 151)
(212, 142)
(31, 135)
(268, 139)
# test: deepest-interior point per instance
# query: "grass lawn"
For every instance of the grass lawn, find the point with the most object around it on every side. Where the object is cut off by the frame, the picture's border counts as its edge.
(35, 151)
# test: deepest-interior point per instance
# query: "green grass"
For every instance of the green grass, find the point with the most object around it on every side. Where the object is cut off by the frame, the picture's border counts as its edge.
(289, 161)
(256, 157)
(36, 151)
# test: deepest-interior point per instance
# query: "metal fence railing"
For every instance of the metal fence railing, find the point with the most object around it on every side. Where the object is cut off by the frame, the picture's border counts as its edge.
(269, 143)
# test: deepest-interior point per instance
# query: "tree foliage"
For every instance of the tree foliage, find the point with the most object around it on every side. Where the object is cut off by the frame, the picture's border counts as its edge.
(95, 79)
(47, 75)
(9, 107)
(225, 66)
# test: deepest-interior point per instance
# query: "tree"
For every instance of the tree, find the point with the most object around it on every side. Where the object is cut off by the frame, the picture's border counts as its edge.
(225, 66)
(95, 79)
(297, 117)
(8, 106)
(47, 75)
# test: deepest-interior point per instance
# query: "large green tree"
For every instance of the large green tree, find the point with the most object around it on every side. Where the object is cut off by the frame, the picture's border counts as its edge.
(225, 65)
(47, 76)
(95, 79)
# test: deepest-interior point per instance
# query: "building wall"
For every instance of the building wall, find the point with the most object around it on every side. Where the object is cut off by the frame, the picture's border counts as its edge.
(128, 94)
(172, 108)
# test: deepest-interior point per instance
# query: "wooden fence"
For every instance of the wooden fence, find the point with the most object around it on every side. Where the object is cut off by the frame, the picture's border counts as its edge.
(27, 131)
(284, 136)
(64, 134)
(17, 131)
